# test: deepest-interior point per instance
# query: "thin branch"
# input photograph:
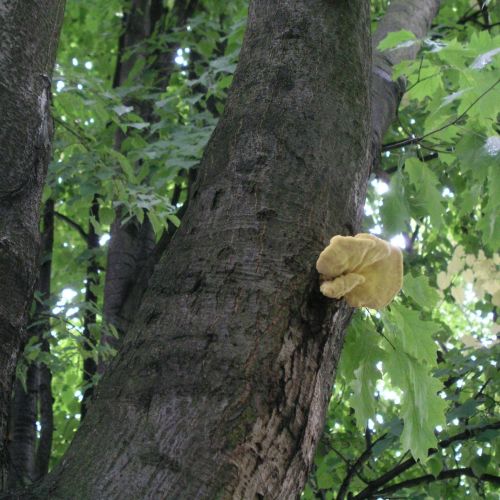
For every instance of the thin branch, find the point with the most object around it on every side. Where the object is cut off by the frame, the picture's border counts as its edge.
(356, 467)
(83, 140)
(447, 474)
(415, 140)
(374, 486)
(73, 224)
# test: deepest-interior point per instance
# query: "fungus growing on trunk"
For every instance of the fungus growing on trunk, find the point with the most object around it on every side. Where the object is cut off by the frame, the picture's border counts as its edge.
(365, 270)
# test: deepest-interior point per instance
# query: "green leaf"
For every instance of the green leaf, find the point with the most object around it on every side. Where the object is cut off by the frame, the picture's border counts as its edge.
(395, 212)
(411, 334)
(435, 464)
(465, 410)
(480, 464)
(428, 83)
(489, 223)
(397, 39)
(47, 193)
(420, 291)
(428, 198)
(363, 386)
(361, 343)
(125, 164)
(360, 355)
(106, 215)
(422, 408)
(121, 109)
(137, 125)
(174, 219)
(324, 476)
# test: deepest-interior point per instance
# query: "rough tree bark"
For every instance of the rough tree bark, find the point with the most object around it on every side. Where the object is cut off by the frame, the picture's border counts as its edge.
(22, 431)
(28, 42)
(221, 387)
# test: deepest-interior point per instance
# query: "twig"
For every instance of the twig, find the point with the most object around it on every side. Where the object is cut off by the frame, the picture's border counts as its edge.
(73, 224)
(415, 140)
(373, 488)
(355, 468)
(428, 478)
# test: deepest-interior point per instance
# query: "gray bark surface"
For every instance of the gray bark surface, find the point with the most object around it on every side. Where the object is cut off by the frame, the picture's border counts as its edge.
(28, 41)
(221, 387)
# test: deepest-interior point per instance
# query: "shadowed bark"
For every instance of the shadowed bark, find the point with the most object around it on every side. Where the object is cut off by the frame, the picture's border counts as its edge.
(28, 42)
(221, 387)
(22, 431)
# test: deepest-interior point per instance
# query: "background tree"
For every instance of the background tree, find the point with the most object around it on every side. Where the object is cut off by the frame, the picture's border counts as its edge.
(135, 143)
(27, 51)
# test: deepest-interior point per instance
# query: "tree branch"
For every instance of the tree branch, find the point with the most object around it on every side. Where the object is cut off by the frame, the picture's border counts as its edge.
(355, 468)
(416, 140)
(73, 224)
(444, 475)
(374, 486)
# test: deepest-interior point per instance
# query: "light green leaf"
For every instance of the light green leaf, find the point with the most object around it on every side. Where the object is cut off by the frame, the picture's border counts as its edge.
(174, 219)
(428, 198)
(411, 334)
(137, 125)
(435, 464)
(360, 355)
(324, 476)
(420, 291)
(397, 39)
(363, 386)
(121, 109)
(125, 163)
(395, 212)
(422, 409)
(106, 215)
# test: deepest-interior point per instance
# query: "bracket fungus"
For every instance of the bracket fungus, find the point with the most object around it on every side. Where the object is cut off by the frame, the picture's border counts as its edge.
(365, 270)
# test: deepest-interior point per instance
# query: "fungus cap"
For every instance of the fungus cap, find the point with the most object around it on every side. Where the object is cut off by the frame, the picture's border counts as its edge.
(365, 270)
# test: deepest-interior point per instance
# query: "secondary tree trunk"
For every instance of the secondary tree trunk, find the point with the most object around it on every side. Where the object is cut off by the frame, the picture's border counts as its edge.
(28, 43)
(132, 245)
(220, 388)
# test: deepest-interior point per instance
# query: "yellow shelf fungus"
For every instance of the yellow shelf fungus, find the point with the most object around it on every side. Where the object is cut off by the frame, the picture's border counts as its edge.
(365, 270)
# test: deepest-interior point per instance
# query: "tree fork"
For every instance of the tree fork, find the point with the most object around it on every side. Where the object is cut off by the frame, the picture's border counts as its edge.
(221, 386)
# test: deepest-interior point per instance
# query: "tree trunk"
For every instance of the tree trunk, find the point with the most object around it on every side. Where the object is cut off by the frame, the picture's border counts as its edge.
(29, 457)
(22, 431)
(132, 245)
(28, 43)
(221, 387)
